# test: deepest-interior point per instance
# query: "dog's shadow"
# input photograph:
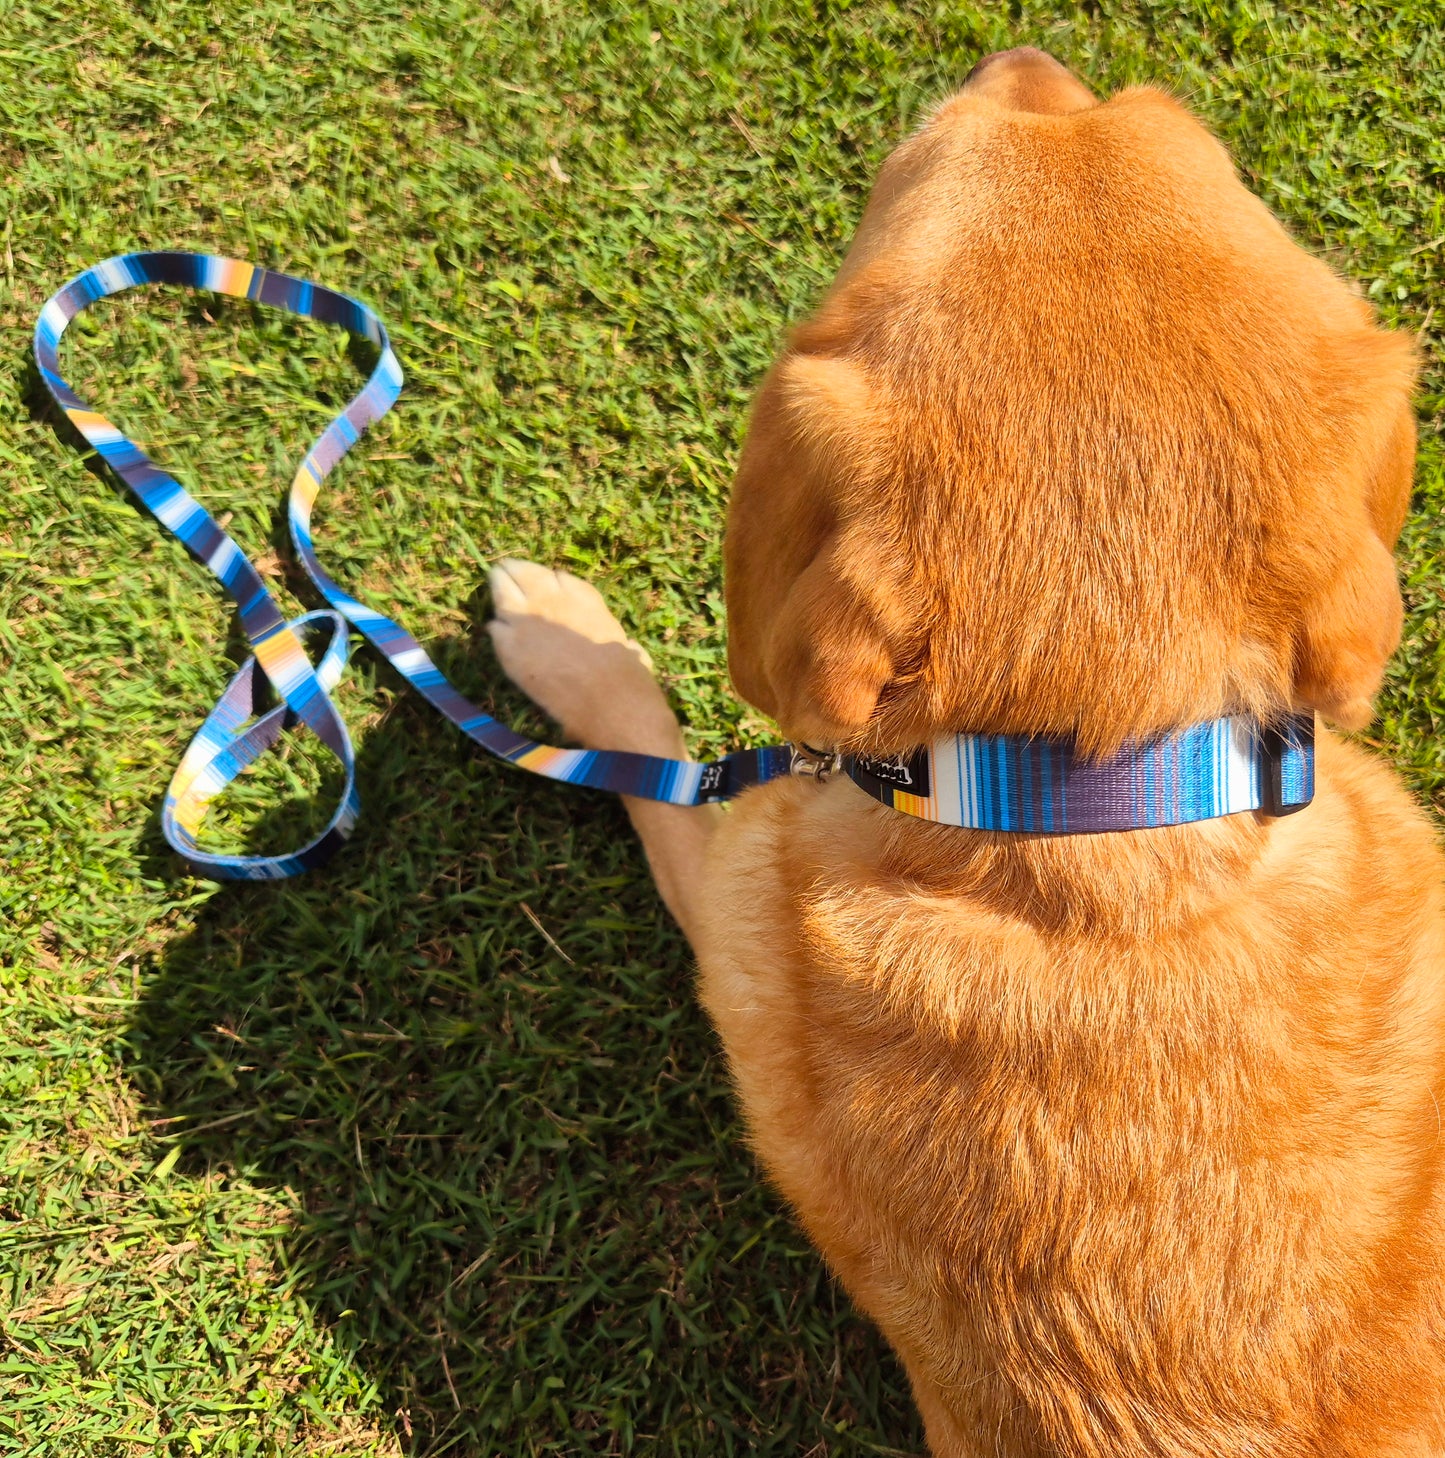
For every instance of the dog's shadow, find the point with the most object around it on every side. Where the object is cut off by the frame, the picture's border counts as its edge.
(470, 1049)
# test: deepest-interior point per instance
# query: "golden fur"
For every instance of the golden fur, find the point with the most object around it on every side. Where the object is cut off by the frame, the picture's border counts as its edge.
(1131, 1144)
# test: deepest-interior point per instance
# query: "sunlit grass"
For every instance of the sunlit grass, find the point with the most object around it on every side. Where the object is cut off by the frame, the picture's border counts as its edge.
(432, 1151)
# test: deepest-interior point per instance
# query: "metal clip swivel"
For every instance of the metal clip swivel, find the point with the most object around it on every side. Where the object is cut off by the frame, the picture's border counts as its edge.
(817, 764)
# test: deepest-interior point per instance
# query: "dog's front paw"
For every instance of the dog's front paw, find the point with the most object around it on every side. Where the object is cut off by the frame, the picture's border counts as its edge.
(559, 642)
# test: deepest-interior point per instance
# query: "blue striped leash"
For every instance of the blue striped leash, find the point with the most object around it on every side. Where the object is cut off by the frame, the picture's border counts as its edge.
(225, 744)
(1013, 783)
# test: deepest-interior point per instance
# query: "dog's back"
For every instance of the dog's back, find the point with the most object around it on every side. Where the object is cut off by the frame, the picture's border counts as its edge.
(1130, 1146)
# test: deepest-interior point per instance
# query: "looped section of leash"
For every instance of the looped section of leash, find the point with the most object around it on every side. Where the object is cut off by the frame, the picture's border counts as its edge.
(232, 738)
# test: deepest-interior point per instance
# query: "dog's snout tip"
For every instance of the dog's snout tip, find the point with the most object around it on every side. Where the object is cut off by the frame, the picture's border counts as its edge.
(1026, 55)
(1028, 79)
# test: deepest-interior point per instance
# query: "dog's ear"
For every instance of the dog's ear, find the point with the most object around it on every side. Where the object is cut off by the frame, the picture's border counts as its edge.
(817, 619)
(1351, 630)
(1351, 623)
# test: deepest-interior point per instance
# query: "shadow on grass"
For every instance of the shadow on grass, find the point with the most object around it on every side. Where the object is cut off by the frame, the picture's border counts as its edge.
(471, 1048)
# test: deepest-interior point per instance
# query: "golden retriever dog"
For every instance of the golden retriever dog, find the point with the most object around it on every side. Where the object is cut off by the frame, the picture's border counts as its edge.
(1131, 1143)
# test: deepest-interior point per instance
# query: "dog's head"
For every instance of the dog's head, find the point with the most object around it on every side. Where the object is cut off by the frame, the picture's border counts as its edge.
(1078, 443)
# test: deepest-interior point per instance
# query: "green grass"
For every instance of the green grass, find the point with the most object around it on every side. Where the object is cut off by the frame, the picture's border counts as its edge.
(432, 1151)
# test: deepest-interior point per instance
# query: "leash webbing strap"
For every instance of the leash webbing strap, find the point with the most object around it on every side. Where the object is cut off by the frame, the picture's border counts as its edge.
(223, 748)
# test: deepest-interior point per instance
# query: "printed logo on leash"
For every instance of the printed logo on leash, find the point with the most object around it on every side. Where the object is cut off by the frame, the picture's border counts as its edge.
(713, 782)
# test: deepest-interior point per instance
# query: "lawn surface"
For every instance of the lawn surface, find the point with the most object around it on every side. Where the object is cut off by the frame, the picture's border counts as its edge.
(432, 1151)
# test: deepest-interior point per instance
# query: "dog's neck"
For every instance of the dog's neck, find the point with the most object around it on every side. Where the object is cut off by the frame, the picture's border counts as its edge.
(1131, 884)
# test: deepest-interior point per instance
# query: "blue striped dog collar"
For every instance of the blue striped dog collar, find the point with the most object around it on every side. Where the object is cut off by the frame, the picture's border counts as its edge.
(1012, 783)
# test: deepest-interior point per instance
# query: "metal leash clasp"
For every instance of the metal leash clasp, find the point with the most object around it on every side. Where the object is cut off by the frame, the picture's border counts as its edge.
(817, 764)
